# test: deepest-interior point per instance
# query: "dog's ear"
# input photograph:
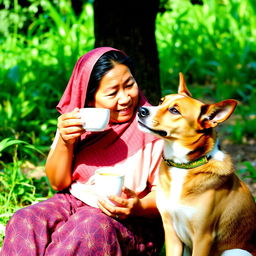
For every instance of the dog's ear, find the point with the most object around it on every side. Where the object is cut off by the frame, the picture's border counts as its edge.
(213, 114)
(183, 87)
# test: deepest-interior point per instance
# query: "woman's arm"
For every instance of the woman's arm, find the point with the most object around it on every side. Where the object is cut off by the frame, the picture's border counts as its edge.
(59, 161)
(148, 205)
(58, 165)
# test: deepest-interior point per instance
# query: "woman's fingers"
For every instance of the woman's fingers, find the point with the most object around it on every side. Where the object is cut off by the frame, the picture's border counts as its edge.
(70, 126)
(118, 212)
(70, 123)
(69, 119)
(123, 207)
(110, 210)
(128, 192)
(119, 201)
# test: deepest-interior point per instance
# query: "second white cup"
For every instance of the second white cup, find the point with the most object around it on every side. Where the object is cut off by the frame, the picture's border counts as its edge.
(108, 182)
(94, 119)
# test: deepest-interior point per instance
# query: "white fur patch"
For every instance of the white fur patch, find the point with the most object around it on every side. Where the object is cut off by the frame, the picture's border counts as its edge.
(216, 153)
(180, 213)
(219, 155)
(176, 152)
(178, 178)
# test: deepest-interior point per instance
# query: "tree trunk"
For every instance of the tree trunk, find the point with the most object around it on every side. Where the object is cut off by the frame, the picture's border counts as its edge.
(200, 2)
(77, 6)
(129, 25)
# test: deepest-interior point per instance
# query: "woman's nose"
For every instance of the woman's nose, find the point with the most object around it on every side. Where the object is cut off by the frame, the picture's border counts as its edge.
(124, 98)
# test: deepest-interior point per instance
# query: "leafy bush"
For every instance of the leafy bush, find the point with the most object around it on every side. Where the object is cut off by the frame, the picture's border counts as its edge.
(36, 66)
(214, 46)
(17, 189)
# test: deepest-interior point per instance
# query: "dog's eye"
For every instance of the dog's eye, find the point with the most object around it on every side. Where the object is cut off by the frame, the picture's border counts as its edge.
(174, 111)
(161, 101)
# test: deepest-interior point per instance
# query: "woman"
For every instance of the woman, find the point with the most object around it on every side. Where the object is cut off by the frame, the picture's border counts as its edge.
(71, 222)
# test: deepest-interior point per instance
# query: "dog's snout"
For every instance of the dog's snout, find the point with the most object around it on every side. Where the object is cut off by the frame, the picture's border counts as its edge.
(143, 112)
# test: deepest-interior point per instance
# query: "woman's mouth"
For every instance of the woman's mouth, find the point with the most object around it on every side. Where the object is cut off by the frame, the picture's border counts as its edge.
(125, 111)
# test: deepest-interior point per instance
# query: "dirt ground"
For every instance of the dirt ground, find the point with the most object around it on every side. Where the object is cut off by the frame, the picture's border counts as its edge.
(241, 153)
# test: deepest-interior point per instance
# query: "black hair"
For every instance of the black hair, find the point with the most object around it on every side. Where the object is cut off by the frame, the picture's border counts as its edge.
(104, 64)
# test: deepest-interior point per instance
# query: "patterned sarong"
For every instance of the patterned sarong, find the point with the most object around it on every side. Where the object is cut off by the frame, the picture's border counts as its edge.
(65, 226)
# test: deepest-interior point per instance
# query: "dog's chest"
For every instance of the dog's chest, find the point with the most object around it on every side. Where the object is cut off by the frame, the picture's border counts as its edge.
(179, 212)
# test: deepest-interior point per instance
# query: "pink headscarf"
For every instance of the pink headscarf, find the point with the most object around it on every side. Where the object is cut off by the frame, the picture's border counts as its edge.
(106, 148)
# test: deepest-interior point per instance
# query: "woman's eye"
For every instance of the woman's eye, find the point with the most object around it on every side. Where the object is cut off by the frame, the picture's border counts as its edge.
(174, 111)
(112, 94)
(129, 85)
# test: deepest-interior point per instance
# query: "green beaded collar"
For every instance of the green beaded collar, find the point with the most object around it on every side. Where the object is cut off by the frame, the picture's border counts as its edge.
(193, 164)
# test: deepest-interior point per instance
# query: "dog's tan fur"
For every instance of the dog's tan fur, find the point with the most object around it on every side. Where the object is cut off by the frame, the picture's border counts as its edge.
(207, 208)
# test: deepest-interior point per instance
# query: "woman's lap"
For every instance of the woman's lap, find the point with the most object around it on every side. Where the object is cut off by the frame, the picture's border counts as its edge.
(29, 230)
(63, 225)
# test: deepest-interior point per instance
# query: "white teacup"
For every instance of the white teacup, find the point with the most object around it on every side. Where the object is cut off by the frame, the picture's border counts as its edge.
(94, 119)
(108, 182)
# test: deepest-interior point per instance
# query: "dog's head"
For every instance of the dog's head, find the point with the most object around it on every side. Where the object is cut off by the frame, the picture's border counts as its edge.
(183, 118)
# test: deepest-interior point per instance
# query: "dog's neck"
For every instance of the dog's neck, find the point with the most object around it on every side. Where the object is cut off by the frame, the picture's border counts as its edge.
(177, 153)
(174, 151)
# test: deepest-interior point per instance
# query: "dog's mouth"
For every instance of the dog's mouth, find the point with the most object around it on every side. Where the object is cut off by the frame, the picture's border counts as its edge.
(159, 132)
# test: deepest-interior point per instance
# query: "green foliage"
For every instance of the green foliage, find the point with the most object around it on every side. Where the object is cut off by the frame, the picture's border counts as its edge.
(212, 45)
(9, 142)
(36, 60)
(248, 170)
(17, 189)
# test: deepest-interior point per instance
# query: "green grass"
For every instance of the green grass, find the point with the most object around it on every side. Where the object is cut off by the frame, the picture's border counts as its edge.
(213, 45)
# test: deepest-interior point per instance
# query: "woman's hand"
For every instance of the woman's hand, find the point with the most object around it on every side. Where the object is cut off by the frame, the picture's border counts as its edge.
(70, 126)
(127, 205)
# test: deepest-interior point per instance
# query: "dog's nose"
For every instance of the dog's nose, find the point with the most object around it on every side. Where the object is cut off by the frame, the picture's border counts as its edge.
(143, 112)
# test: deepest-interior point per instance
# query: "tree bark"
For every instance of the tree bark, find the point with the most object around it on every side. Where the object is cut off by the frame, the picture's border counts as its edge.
(129, 25)
(77, 6)
(199, 2)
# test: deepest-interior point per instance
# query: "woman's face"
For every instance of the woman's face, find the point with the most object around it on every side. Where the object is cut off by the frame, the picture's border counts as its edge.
(118, 91)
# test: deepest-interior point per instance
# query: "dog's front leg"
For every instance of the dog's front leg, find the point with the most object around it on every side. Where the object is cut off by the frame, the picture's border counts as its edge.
(202, 244)
(173, 245)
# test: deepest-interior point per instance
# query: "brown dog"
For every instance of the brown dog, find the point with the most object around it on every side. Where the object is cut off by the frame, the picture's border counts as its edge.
(203, 204)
